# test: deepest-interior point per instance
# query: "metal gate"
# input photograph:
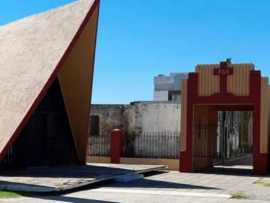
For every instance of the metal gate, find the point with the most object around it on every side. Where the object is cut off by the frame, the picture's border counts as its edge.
(234, 139)
(221, 138)
(204, 135)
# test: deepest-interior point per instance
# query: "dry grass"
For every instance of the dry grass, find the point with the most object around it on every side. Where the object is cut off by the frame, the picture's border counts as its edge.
(263, 183)
(239, 195)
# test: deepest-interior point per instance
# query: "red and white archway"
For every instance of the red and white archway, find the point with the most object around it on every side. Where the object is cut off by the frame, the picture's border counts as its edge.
(224, 87)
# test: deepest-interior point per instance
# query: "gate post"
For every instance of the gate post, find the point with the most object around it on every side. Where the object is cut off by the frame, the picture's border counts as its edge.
(116, 145)
(186, 156)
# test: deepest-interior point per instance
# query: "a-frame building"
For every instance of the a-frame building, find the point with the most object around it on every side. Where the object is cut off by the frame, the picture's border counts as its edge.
(46, 71)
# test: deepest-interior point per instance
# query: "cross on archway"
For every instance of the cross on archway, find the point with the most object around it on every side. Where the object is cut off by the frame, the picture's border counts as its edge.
(223, 71)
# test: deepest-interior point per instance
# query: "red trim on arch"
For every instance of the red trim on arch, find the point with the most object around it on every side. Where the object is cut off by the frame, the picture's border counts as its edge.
(260, 160)
(224, 100)
(233, 108)
(50, 81)
(186, 161)
(220, 101)
(260, 164)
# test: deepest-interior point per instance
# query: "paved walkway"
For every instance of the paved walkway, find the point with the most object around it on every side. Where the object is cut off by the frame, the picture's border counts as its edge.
(172, 187)
(253, 187)
(61, 179)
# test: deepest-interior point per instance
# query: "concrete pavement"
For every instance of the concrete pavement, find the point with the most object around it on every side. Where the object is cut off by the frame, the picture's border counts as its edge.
(64, 179)
(172, 187)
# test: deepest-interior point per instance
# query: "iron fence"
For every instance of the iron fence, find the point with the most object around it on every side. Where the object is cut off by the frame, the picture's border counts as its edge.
(154, 145)
(146, 145)
(99, 146)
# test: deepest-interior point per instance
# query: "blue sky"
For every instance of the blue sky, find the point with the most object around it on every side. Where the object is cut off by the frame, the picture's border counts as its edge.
(139, 39)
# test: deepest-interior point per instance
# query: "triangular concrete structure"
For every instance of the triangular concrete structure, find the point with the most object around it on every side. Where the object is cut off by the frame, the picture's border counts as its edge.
(37, 51)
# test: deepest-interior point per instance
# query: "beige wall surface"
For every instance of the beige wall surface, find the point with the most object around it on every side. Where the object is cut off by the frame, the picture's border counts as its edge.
(75, 79)
(30, 50)
(264, 136)
(208, 82)
(238, 83)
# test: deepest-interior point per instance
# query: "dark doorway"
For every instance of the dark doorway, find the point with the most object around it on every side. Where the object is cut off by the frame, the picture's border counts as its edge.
(234, 141)
(46, 140)
(95, 130)
(222, 139)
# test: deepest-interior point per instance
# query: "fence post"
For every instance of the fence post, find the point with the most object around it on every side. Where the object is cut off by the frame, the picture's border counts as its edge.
(116, 145)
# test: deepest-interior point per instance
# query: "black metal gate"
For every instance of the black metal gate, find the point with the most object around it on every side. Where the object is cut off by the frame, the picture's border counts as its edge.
(223, 140)
(234, 139)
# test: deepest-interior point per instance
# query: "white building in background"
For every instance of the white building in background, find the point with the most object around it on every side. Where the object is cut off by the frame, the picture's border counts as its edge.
(160, 115)
(168, 88)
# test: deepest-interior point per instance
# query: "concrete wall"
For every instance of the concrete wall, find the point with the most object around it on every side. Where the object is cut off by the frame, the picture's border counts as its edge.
(154, 117)
(139, 117)
(110, 116)
(154, 124)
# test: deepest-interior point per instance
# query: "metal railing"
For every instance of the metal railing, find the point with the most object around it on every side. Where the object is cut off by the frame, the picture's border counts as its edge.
(154, 145)
(99, 145)
(164, 145)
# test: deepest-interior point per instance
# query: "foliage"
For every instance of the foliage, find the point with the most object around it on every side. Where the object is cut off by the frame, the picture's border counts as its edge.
(263, 183)
(7, 194)
(239, 195)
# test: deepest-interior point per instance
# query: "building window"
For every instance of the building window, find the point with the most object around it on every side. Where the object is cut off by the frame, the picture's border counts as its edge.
(94, 130)
(170, 96)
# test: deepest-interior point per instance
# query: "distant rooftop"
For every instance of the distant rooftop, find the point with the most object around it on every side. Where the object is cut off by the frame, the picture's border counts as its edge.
(171, 82)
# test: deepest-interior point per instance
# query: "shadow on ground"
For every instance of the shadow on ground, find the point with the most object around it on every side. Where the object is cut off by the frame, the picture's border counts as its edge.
(69, 199)
(157, 184)
(229, 171)
(89, 171)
